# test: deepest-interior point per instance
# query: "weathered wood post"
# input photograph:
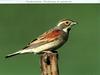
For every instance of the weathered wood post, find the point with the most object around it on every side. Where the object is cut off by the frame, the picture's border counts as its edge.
(49, 63)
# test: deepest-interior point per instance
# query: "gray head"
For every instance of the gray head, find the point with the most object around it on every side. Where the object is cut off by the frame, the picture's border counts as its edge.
(66, 24)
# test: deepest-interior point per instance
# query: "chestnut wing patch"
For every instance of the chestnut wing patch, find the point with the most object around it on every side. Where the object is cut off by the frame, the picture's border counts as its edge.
(53, 34)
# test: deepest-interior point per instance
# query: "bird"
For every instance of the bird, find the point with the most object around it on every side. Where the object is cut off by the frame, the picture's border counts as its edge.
(49, 41)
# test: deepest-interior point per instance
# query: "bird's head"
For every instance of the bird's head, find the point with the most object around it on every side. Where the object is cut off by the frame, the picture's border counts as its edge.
(66, 24)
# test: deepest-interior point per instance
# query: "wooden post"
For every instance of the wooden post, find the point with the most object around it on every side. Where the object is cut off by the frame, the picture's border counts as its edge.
(49, 63)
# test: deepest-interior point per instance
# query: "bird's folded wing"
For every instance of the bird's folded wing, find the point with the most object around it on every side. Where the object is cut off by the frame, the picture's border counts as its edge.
(45, 38)
(50, 35)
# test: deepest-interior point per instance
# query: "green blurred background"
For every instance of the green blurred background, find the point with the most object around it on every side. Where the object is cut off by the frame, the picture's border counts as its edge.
(19, 24)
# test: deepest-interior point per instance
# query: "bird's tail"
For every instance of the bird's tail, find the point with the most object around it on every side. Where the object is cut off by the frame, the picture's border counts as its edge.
(12, 54)
(19, 52)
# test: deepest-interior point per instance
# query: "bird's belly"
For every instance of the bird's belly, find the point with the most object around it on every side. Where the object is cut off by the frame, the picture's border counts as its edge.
(48, 46)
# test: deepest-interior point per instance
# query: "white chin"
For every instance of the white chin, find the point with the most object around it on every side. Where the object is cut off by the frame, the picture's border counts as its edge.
(66, 29)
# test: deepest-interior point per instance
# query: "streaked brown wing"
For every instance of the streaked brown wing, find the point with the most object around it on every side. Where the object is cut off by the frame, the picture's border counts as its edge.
(45, 38)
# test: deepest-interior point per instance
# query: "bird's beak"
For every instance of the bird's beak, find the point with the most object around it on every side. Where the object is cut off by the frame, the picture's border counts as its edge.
(73, 23)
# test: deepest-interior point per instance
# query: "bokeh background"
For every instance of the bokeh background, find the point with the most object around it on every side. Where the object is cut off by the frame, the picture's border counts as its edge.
(19, 24)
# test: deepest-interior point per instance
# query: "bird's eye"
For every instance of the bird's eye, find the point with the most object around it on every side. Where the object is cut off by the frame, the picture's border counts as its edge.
(67, 22)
